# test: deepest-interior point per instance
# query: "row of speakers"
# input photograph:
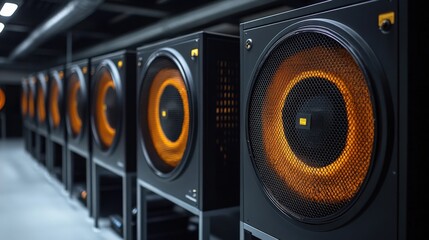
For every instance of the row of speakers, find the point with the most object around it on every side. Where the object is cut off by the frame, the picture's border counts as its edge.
(323, 105)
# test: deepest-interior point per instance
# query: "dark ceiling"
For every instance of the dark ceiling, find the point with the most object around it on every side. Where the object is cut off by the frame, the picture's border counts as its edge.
(117, 24)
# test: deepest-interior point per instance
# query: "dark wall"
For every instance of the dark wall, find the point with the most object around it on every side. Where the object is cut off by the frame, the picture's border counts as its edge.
(10, 114)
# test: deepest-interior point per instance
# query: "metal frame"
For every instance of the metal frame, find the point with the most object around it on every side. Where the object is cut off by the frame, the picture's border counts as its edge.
(254, 232)
(204, 217)
(128, 179)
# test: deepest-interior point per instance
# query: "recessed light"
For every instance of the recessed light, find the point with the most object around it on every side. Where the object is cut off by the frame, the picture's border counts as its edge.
(1, 27)
(8, 9)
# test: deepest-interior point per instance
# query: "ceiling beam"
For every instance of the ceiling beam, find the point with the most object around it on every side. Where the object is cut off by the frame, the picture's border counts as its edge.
(132, 10)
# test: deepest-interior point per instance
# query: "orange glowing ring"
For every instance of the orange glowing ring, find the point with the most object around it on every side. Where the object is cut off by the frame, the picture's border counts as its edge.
(169, 152)
(105, 131)
(24, 102)
(318, 183)
(75, 120)
(2, 98)
(31, 110)
(41, 110)
(54, 109)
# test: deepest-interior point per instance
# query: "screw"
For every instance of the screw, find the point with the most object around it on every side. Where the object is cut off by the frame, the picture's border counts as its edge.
(248, 44)
(385, 26)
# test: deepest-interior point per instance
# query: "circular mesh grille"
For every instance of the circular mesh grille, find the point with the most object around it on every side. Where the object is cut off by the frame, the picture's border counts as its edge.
(24, 101)
(54, 104)
(75, 105)
(41, 106)
(105, 108)
(168, 115)
(311, 127)
(2, 98)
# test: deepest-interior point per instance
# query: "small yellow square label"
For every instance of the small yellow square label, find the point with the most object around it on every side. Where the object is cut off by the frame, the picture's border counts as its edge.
(386, 16)
(164, 113)
(194, 52)
(303, 121)
(120, 63)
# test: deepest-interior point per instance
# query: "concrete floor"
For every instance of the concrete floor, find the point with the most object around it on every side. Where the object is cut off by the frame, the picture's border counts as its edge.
(35, 206)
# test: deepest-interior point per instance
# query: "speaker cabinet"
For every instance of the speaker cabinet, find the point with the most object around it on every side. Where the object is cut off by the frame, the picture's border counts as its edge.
(332, 142)
(188, 104)
(113, 111)
(77, 99)
(24, 113)
(42, 115)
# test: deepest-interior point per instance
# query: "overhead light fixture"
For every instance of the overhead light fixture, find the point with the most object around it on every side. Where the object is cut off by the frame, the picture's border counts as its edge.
(8, 9)
(1, 27)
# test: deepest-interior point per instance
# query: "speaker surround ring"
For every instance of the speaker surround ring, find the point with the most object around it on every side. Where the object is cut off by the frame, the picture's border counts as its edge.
(106, 78)
(77, 97)
(178, 78)
(55, 101)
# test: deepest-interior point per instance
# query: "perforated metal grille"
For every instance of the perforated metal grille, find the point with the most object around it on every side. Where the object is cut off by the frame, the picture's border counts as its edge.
(311, 127)
(227, 108)
(165, 114)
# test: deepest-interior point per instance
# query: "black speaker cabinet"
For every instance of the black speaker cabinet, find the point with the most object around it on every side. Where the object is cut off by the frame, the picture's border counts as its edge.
(77, 99)
(333, 140)
(42, 115)
(31, 115)
(188, 104)
(24, 113)
(79, 144)
(113, 111)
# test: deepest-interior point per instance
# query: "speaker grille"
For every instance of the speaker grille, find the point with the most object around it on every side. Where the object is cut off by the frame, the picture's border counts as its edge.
(167, 114)
(54, 102)
(75, 105)
(41, 105)
(311, 127)
(2, 98)
(105, 111)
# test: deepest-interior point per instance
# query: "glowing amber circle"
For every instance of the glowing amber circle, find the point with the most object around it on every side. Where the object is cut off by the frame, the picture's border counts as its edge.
(54, 101)
(41, 105)
(2, 98)
(170, 152)
(342, 179)
(106, 132)
(75, 120)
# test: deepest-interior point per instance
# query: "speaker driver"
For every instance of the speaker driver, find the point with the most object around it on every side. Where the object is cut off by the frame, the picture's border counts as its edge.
(31, 110)
(75, 108)
(311, 126)
(2, 98)
(54, 108)
(168, 114)
(106, 108)
(41, 109)
(24, 101)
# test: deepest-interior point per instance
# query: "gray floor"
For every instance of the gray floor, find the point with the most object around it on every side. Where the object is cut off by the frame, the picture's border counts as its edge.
(34, 205)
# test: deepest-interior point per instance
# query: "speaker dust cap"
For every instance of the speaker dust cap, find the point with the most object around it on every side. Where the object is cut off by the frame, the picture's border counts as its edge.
(311, 126)
(165, 114)
(106, 115)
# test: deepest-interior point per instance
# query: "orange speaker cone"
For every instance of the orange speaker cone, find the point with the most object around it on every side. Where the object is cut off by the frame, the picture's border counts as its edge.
(340, 180)
(54, 109)
(105, 130)
(169, 149)
(75, 120)
(2, 98)
(41, 110)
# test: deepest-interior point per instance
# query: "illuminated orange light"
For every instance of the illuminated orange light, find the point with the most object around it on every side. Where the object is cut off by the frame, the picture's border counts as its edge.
(31, 104)
(105, 130)
(24, 103)
(169, 152)
(342, 179)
